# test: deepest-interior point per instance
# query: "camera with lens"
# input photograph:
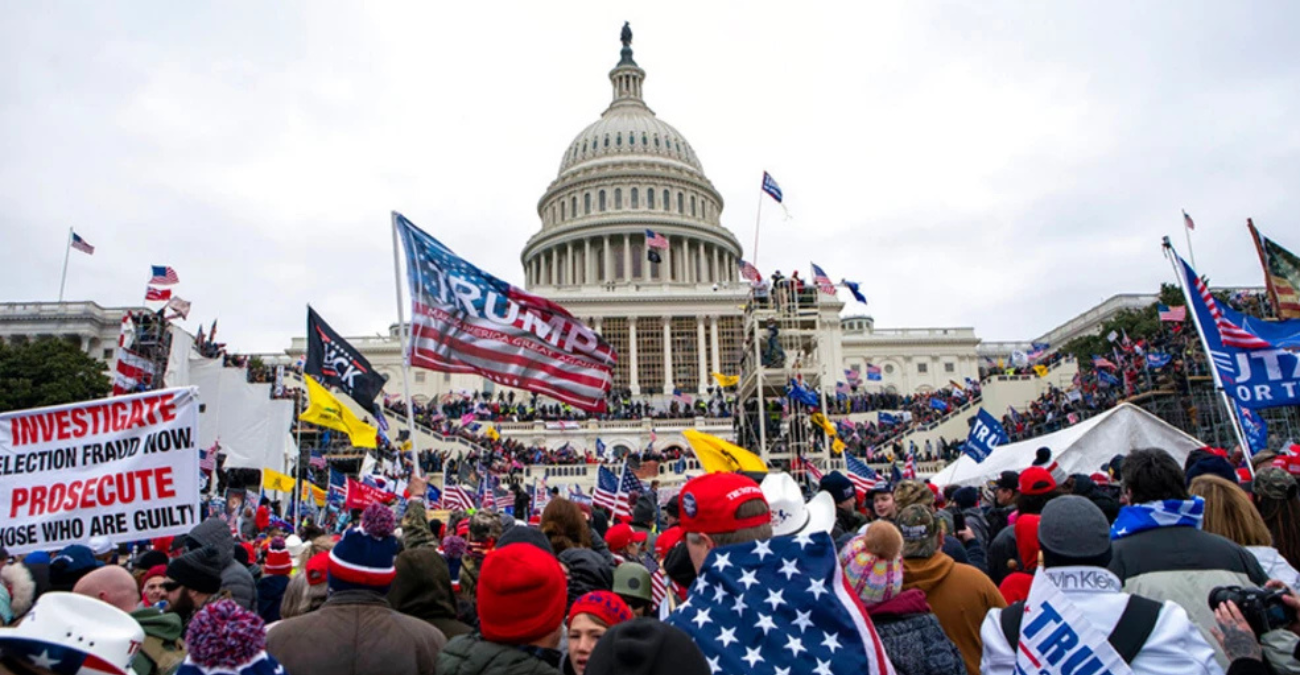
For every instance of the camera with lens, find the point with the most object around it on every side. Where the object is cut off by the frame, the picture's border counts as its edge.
(1262, 608)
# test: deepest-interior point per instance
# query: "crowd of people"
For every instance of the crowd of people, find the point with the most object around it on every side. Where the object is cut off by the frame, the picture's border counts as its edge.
(1187, 566)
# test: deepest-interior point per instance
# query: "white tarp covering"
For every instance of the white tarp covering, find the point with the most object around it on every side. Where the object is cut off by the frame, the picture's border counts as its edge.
(1082, 448)
(250, 426)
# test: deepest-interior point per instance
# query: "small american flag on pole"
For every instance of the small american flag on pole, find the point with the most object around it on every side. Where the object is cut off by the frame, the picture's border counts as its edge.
(655, 240)
(1187, 220)
(1176, 314)
(749, 272)
(863, 477)
(681, 398)
(82, 245)
(208, 458)
(824, 283)
(606, 492)
(163, 275)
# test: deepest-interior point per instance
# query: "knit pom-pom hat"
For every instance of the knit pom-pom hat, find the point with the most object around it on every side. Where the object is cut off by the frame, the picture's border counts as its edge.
(1043, 458)
(363, 558)
(224, 638)
(873, 563)
(278, 561)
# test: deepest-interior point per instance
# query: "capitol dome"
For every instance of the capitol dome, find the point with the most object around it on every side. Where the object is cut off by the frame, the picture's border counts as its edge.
(624, 174)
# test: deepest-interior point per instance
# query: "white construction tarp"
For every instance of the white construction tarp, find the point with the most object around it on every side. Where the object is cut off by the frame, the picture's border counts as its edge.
(1082, 448)
(251, 427)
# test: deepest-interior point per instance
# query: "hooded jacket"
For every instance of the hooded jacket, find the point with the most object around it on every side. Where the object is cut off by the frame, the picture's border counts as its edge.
(960, 596)
(913, 638)
(234, 577)
(1183, 564)
(163, 650)
(422, 587)
(472, 655)
(1174, 645)
(588, 571)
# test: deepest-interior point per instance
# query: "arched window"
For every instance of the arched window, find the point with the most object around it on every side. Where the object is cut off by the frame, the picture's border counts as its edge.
(704, 209)
(573, 206)
(692, 205)
(607, 140)
(563, 214)
(631, 138)
(586, 204)
(667, 201)
(618, 140)
(643, 138)
(650, 198)
(635, 203)
(602, 200)
(681, 204)
(618, 198)
(553, 213)
(656, 140)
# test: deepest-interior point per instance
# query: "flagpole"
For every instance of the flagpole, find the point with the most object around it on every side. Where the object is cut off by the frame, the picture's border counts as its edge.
(403, 334)
(758, 221)
(63, 280)
(1190, 253)
(1205, 344)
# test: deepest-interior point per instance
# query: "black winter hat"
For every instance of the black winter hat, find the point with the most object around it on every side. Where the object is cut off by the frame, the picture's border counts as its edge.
(966, 497)
(839, 485)
(199, 569)
(523, 534)
(646, 646)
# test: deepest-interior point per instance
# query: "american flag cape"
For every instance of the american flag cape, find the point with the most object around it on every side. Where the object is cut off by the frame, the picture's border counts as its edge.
(863, 477)
(606, 491)
(823, 282)
(464, 320)
(780, 606)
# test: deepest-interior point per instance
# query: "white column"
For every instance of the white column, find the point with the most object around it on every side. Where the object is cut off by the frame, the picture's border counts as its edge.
(588, 272)
(571, 267)
(717, 357)
(699, 349)
(633, 383)
(555, 269)
(627, 257)
(668, 355)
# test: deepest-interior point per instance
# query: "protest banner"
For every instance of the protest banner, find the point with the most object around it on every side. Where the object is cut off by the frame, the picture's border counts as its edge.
(125, 468)
(360, 495)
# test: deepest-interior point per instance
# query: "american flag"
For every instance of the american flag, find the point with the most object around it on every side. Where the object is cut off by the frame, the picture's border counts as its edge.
(1230, 333)
(456, 498)
(152, 294)
(782, 603)
(909, 467)
(1102, 362)
(824, 283)
(82, 245)
(163, 275)
(841, 388)
(1187, 220)
(208, 458)
(317, 460)
(658, 586)
(680, 397)
(771, 188)
(606, 492)
(873, 372)
(541, 496)
(749, 272)
(863, 477)
(655, 240)
(852, 375)
(493, 329)
(338, 487)
(799, 463)
(626, 487)
(131, 372)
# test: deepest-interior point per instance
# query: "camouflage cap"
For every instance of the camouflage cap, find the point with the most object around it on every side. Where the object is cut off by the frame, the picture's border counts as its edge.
(920, 531)
(909, 492)
(1274, 483)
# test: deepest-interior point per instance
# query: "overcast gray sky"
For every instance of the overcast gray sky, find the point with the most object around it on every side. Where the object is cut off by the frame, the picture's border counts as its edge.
(997, 165)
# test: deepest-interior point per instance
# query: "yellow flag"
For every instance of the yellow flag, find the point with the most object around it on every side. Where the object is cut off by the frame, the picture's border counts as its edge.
(329, 412)
(1041, 370)
(317, 494)
(726, 380)
(493, 434)
(837, 446)
(276, 481)
(820, 420)
(719, 456)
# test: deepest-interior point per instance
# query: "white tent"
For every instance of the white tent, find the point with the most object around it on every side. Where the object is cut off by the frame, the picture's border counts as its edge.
(1082, 448)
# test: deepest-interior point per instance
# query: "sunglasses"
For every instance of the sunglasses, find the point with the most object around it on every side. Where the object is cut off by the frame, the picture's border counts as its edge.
(171, 586)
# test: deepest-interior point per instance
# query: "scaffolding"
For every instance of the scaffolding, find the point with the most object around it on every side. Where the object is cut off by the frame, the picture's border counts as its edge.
(783, 335)
(150, 344)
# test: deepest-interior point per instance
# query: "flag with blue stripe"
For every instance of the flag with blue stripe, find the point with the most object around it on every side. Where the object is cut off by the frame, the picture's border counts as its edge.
(986, 434)
(771, 188)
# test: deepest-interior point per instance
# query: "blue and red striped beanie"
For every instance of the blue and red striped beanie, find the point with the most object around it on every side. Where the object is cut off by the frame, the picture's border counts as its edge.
(363, 558)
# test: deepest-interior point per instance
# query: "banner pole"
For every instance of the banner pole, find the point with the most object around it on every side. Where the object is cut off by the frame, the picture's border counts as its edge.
(63, 280)
(758, 222)
(403, 334)
(1214, 371)
(1190, 253)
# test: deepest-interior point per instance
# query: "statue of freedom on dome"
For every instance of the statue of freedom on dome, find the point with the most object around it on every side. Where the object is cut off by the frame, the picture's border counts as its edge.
(626, 35)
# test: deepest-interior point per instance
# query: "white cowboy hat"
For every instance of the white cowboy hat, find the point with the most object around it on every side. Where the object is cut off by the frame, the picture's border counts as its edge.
(73, 634)
(790, 515)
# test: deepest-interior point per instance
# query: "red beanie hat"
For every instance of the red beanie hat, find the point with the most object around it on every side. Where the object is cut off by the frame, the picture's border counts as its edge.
(520, 577)
(607, 607)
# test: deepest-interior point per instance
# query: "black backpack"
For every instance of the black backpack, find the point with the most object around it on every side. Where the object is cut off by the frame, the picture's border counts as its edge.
(1127, 638)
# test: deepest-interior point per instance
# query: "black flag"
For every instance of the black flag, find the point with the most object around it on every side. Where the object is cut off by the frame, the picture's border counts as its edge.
(653, 256)
(333, 361)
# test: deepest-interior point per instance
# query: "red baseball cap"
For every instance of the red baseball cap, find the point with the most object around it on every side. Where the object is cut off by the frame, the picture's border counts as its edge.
(1036, 481)
(709, 503)
(619, 536)
(667, 540)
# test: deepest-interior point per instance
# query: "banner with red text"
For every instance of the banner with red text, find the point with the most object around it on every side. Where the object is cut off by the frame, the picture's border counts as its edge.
(126, 468)
(360, 495)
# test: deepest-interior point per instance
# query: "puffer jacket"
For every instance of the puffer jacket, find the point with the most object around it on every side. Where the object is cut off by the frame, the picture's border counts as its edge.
(355, 633)
(472, 655)
(913, 638)
(588, 572)
(1183, 564)
(235, 577)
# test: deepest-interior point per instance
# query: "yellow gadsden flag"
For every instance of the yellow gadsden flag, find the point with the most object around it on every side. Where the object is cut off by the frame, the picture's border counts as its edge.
(317, 494)
(820, 420)
(1041, 370)
(329, 412)
(726, 380)
(276, 481)
(719, 456)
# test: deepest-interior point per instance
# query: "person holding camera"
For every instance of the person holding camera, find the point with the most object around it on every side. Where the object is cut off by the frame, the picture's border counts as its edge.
(1075, 547)
(1242, 614)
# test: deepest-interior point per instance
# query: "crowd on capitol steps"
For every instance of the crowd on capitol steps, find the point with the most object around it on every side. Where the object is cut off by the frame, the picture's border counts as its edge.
(1152, 565)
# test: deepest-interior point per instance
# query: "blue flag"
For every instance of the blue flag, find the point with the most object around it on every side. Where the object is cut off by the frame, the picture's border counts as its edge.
(855, 290)
(801, 394)
(1248, 355)
(600, 448)
(771, 188)
(939, 404)
(1255, 428)
(1158, 360)
(1106, 378)
(894, 474)
(432, 495)
(887, 419)
(986, 434)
